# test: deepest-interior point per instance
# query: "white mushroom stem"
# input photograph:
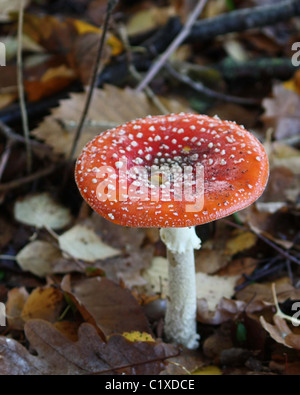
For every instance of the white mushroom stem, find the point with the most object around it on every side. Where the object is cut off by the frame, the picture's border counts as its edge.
(180, 320)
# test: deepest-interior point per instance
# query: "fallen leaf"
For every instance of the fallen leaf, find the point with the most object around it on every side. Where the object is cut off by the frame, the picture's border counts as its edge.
(239, 267)
(77, 42)
(58, 129)
(81, 242)
(60, 36)
(107, 306)
(148, 19)
(156, 276)
(8, 6)
(282, 112)
(208, 371)
(6, 99)
(41, 210)
(53, 80)
(258, 295)
(284, 156)
(294, 83)
(117, 236)
(38, 257)
(225, 310)
(186, 362)
(68, 328)
(280, 332)
(216, 343)
(45, 303)
(210, 260)
(128, 267)
(57, 355)
(214, 288)
(136, 336)
(241, 242)
(16, 300)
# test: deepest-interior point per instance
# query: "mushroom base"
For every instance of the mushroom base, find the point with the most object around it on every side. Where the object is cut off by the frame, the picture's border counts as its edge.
(180, 320)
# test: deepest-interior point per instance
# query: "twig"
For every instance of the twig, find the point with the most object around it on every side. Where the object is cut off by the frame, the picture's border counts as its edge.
(244, 19)
(266, 240)
(199, 87)
(173, 46)
(21, 88)
(17, 138)
(25, 180)
(110, 6)
(5, 156)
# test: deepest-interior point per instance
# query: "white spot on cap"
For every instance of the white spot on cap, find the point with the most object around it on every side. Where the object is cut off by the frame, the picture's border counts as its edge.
(119, 165)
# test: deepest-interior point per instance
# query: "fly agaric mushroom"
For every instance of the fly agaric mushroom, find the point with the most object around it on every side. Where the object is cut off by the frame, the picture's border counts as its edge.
(173, 172)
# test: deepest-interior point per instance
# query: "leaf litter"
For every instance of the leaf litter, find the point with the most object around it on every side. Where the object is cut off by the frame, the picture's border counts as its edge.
(101, 304)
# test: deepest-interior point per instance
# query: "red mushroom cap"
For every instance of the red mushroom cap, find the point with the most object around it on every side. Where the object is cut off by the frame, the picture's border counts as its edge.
(113, 172)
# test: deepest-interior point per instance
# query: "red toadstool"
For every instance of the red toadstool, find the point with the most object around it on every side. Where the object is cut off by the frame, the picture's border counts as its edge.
(173, 172)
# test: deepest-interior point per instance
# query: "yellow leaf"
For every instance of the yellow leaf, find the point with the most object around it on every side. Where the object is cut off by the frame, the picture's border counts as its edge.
(112, 41)
(136, 336)
(208, 371)
(84, 27)
(43, 303)
(241, 242)
(58, 72)
(294, 83)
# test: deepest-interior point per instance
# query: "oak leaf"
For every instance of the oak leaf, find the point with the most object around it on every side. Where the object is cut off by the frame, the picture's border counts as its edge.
(58, 129)
(58, 355)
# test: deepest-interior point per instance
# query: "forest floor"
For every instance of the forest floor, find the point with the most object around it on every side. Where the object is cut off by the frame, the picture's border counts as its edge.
(82, 295)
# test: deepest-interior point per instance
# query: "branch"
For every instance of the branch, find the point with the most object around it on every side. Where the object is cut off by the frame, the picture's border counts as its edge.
(248, 18)
(26, 180)
(199, 87)
(179, 39)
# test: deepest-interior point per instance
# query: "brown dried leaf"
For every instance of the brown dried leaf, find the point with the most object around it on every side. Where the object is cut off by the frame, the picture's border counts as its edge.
(185, 363)
(226, 309)
(110, 308)
(16, 300)
(45, 303)
(214, 289)
(58, 129)
(39, 258)
(115, 235)
(279, 331)
(57, 355)
(282, 112)
(260, 295)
